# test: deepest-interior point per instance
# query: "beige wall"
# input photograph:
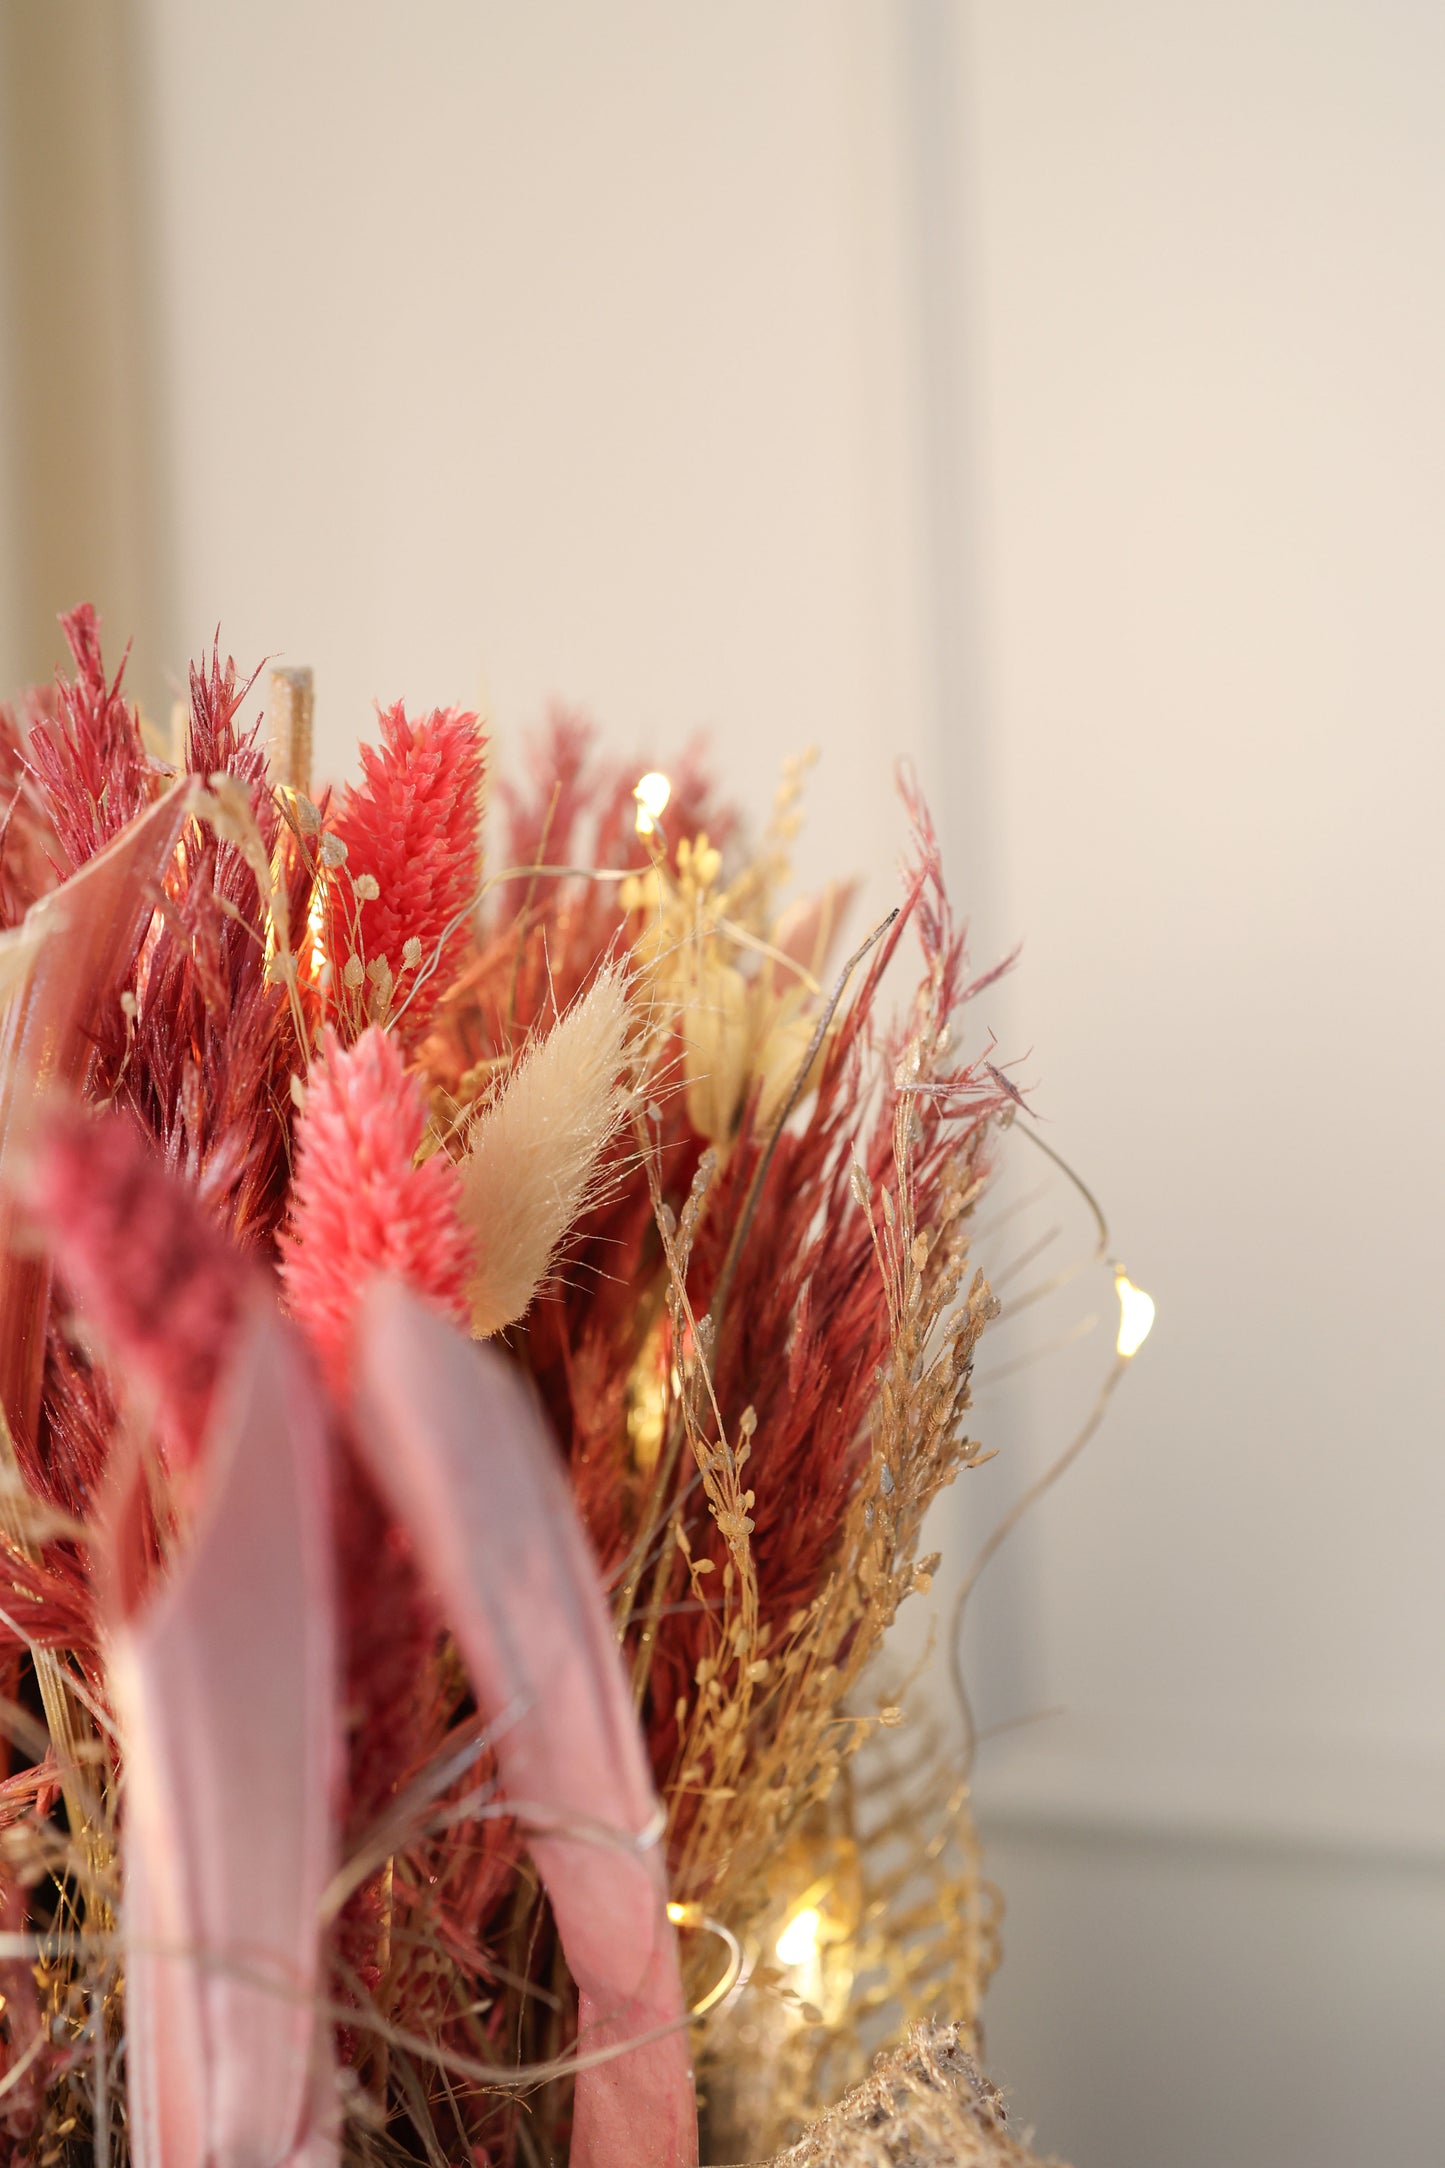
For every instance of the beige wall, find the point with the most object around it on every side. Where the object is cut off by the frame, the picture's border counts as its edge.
(83, 465)
(1207, 452)
(1052, 393)
(549, 349)
(1209, 455)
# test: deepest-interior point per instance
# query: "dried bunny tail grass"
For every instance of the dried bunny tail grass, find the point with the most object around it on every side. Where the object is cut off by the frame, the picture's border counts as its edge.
(926, 2105)
(532, 1162)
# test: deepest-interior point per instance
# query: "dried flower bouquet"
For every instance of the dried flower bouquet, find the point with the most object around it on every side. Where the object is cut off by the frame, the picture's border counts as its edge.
(481, 1334)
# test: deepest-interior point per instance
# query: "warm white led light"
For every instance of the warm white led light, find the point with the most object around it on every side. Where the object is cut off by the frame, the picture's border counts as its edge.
(1136, 1315)
(652, 793)
(798, 1941)
(316, 927)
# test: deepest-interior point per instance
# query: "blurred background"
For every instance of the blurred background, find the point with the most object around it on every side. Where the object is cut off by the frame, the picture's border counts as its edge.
(1048, 393)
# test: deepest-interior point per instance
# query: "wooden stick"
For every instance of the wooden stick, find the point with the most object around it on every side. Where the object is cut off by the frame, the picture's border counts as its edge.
(289, 702)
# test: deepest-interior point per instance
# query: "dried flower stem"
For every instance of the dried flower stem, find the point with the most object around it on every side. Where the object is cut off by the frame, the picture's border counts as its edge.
(290, 702)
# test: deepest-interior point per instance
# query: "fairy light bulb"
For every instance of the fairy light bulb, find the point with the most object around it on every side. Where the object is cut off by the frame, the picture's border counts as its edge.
(316, 928)
(1136, 1314)
(798, 1942)
(652, 792)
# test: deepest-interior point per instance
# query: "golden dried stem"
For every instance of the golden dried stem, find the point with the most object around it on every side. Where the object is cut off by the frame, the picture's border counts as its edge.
(290, 699)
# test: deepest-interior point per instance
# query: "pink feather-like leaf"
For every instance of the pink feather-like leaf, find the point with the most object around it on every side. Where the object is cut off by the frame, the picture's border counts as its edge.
(226, 1697)
(88, 932)
(459, 1450)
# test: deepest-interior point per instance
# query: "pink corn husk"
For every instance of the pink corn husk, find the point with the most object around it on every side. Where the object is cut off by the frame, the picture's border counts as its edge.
(88, 933)
(226, 1699)
(455, 1443)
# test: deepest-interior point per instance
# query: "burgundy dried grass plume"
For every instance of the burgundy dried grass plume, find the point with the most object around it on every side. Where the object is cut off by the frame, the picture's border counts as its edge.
(87, 755)
(205, 1059)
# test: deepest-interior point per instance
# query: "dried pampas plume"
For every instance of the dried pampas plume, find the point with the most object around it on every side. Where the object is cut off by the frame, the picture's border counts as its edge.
(533, 1157)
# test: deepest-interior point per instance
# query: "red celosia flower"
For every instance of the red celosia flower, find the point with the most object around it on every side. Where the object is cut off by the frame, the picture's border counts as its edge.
(360, 1206)
(414, 827)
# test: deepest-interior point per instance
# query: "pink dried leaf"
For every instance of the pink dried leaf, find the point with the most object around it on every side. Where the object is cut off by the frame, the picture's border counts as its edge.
(459, 1450)
(226, 1699)
(87, 936)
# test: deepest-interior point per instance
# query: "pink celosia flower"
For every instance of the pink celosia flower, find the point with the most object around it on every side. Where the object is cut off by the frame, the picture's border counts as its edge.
(413, 827)
(360, 1206)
